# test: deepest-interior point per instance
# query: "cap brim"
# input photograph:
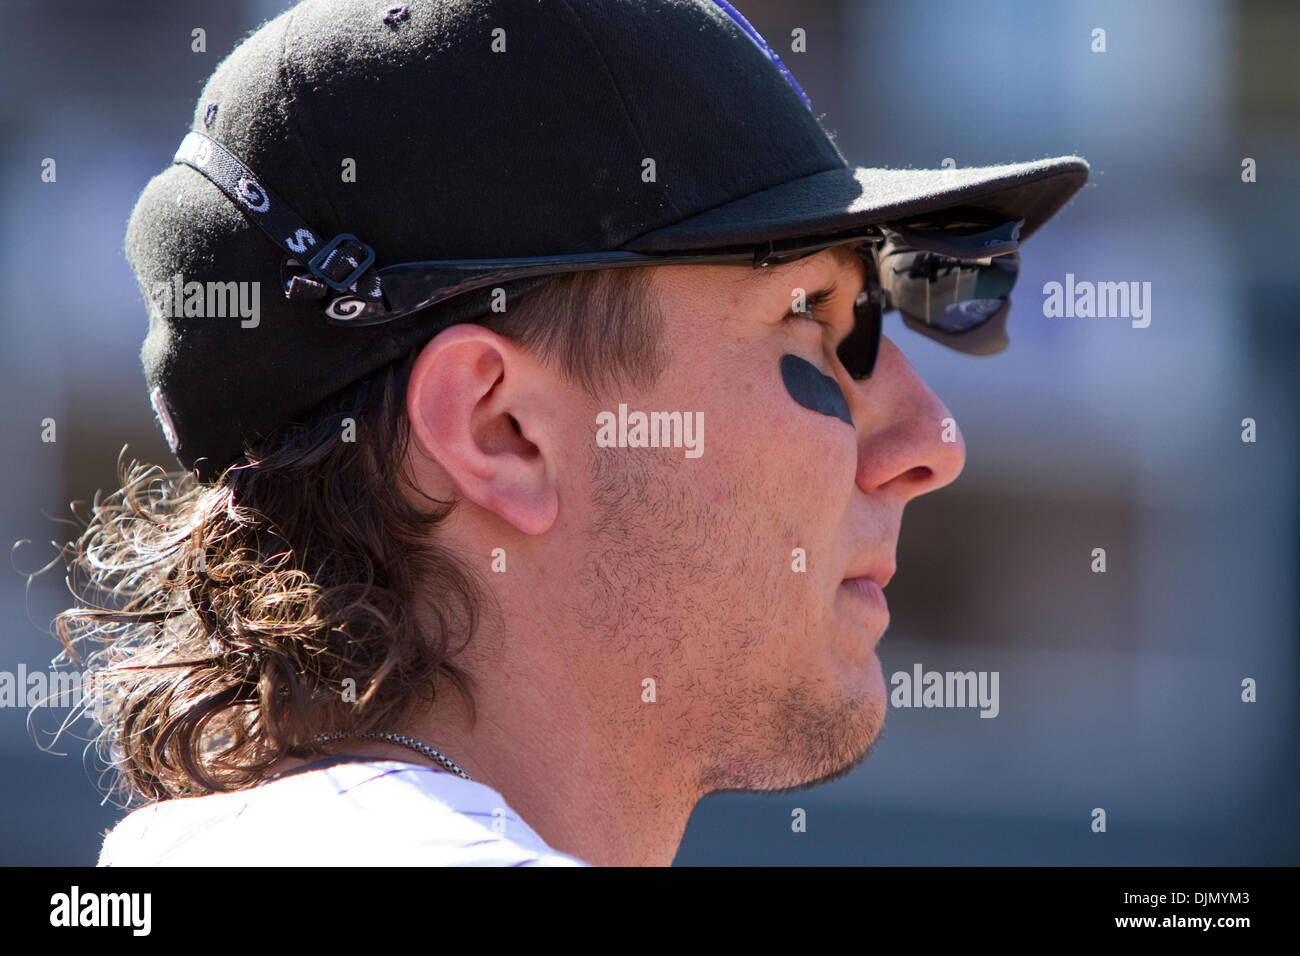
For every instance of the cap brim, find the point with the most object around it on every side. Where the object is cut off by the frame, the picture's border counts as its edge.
(840, 200)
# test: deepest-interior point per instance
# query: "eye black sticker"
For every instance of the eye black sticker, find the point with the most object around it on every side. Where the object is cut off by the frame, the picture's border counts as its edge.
(813, 390)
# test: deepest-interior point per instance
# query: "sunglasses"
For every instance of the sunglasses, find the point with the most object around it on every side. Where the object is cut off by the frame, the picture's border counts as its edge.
(949, 275)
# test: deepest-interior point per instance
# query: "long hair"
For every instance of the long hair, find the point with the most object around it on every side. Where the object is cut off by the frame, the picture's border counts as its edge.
(224, 625)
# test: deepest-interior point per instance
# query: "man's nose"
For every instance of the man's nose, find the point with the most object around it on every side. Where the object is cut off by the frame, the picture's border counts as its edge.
(908, 441)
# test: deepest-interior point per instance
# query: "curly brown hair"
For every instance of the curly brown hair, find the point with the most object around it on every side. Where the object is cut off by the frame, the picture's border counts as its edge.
(224, 624)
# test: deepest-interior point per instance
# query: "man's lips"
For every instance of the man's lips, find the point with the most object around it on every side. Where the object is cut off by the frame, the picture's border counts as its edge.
(880, 574)
(868, 590)
(866, 582)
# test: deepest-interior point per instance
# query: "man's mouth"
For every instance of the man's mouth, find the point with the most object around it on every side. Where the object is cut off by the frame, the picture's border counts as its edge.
(866, 589)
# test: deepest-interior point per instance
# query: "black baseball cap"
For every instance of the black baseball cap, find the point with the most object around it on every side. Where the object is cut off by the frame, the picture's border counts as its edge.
(344, 136)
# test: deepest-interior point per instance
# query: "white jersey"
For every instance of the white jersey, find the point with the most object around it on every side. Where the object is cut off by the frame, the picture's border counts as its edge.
(338, 811)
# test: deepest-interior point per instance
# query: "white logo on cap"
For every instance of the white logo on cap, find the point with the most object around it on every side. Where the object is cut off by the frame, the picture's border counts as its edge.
(301, 240)
(251, 195)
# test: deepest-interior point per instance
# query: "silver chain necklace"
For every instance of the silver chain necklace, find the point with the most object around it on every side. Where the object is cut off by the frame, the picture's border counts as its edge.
(401, 740)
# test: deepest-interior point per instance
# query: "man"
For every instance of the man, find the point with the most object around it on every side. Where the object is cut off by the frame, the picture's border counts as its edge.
(557, 480)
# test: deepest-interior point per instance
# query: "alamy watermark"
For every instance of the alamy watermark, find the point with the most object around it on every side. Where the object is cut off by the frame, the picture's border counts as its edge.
(1100, 300)
(26, 689)
(130, 910)
(946, 689)
(209, 300)
(651, 430)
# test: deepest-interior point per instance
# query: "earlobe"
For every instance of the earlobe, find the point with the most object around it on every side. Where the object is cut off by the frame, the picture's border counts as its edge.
(468, 405)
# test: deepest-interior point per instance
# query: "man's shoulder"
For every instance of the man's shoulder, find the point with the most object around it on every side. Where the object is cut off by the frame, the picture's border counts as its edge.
(374, 812)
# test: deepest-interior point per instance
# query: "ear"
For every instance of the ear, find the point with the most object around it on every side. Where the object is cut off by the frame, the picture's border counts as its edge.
(471, 401)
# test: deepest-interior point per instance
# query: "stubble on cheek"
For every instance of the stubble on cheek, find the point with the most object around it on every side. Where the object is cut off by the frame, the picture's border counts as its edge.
(703, 598)
(672, 557)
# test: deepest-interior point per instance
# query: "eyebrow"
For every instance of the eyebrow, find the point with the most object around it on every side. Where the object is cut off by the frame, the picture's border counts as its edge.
(844, 256)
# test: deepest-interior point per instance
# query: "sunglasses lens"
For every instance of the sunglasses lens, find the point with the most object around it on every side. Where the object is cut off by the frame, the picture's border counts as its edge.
(950, 295)
(858, 352)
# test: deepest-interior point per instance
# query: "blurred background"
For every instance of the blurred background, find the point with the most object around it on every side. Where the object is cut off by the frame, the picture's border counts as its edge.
(1119, 690)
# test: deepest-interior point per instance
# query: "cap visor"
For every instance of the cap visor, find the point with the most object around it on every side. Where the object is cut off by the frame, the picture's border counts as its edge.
(840, 200)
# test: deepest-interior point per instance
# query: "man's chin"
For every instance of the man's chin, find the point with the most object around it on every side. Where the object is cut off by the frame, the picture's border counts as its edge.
(809, 743)
(838, 758)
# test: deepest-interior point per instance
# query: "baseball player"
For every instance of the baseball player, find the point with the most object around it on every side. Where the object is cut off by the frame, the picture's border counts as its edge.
(543, 458)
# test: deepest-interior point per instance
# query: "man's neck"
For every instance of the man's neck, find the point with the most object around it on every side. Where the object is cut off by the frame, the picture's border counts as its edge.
(584, 771)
